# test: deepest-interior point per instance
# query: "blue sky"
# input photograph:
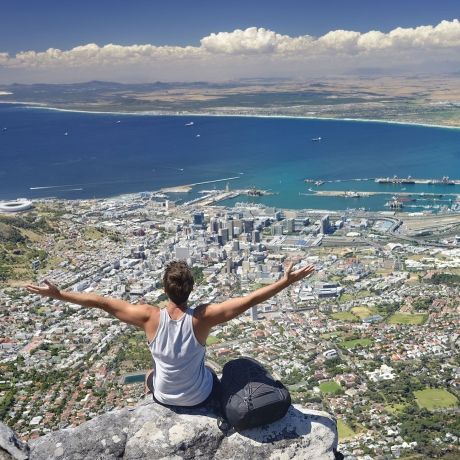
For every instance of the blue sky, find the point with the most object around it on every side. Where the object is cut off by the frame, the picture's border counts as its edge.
(54, 41)
(41, 24)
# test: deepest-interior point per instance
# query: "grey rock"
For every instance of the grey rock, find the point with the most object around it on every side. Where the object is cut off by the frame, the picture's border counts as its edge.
(102, 438)
(155, 433)
(151, 431)
(158, 432)
(11, 448)
(302, 434)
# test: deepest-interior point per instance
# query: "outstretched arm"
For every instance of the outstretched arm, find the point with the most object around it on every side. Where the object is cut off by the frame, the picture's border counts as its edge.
(214, 314)
(138, 315)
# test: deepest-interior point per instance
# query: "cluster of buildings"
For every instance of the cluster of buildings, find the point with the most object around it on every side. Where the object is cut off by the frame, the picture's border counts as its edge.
(368, 310)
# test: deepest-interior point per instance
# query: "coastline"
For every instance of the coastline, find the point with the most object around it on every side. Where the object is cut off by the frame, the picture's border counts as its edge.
(151, 113)
(180, 186)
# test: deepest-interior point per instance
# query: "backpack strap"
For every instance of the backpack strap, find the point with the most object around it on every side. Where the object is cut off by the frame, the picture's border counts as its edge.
(224, 426)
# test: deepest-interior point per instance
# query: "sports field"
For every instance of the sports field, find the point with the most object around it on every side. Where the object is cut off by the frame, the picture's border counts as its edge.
(435, 398)
(330, 387)
(407, 318)
(350, 344)
(344, 316)
(211, 340)
(363, 312)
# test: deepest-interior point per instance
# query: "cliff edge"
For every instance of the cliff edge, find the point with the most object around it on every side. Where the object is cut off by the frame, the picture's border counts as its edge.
(151, 431)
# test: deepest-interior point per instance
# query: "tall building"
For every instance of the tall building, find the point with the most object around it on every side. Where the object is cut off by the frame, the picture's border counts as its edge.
(256, 236)
(223, 234)
(229, 226)
(237, 227)
(289, 225)
(214, 225)
(229, 266)
(248, 225)
(324, 224)
(254, 313)
(277, 229)
(198, 218)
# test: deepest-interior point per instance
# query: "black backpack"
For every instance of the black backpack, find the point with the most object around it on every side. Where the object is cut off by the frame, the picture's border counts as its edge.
(250, 395)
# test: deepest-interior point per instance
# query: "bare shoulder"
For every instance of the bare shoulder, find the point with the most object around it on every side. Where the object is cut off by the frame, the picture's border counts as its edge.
(201, 326)
(153, 310)
(200, 311)
(151, 325)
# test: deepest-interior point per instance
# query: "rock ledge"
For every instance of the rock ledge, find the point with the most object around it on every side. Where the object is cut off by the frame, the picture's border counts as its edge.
(151, 431)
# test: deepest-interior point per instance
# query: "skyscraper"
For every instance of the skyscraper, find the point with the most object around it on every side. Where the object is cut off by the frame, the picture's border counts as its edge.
(198, 218)
(324, 224)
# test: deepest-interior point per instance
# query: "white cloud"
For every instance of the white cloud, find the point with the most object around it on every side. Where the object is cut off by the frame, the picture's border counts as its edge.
(254, 51)
(249, 41)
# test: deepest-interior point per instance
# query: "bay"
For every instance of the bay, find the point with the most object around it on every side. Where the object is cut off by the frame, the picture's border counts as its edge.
(77, 155)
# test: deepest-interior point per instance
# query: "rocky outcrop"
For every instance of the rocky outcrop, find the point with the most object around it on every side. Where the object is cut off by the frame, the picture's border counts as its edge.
(150, 431)
(10, 446)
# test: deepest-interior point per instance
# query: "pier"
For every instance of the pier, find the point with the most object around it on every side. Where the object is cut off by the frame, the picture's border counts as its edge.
(395, 180)
(360, 194)
(411, 180)
(214, 196)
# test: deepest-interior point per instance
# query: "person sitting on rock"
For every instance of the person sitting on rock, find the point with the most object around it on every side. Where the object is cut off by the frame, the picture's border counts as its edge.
(177, 333)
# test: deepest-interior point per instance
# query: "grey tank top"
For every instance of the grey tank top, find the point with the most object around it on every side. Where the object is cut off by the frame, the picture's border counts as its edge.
(180, 377)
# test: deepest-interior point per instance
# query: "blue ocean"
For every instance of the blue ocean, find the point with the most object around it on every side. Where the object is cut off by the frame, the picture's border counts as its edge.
(75, 155)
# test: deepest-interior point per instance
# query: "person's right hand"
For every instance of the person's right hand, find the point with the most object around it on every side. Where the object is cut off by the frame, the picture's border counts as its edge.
(292, 277)
(50, 290)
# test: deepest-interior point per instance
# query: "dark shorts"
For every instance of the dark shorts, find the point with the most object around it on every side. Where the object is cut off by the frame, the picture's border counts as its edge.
(214, 396)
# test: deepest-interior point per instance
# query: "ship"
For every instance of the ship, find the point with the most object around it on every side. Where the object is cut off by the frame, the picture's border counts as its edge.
(316, 139)
(445, 180)
(351, 194)
(395, 180)
(394, 204)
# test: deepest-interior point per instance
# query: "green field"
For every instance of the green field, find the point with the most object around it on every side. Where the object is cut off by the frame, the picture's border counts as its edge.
(363, 312)
(345, 432)
(332, 335)
(344, 316)
(346, 297)
(407, 318)
(330, 387)
(211, 340)
(349, 344)
(435, 398)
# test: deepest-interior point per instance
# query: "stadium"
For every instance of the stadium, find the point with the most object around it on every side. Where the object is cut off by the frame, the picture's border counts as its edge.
(18, 205)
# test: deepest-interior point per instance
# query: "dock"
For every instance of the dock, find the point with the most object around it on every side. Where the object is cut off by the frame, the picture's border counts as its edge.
(212, 197)
(360, 194)
(395, 180)
(412, 180)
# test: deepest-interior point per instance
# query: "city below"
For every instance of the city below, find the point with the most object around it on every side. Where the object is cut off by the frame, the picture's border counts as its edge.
(372, 337)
